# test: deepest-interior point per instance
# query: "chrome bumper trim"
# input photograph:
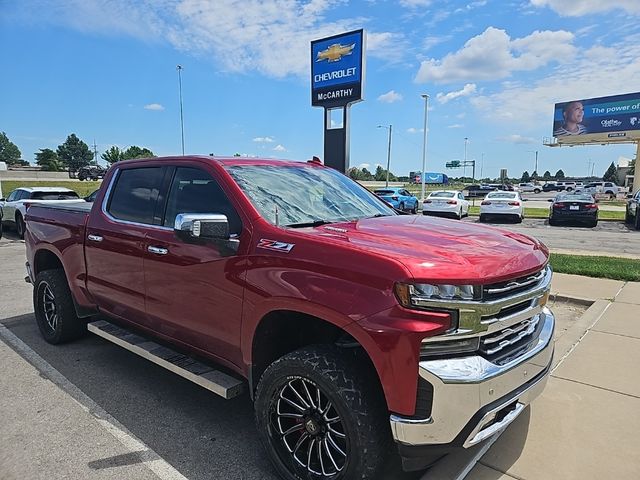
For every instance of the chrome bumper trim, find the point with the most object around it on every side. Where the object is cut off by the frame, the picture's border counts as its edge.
(464, 386)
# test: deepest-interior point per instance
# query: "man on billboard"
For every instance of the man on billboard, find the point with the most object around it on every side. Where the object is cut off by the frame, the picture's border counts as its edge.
(572, 114)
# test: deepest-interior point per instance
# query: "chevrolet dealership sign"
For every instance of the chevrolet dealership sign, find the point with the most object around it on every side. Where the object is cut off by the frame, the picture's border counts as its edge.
(337, 69)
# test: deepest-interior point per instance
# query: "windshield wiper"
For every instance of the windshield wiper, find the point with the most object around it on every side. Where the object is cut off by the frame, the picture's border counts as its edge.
(315, 223)
(378, 215)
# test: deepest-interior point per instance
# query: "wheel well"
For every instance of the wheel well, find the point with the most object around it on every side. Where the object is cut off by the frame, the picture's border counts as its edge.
(45, 260)
(281, 332)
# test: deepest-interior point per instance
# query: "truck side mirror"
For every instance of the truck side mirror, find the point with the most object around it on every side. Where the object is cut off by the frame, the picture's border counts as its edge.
(205, 226)
(3, 199)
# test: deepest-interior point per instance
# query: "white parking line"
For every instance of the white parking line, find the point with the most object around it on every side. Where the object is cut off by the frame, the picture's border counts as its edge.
(150, 459)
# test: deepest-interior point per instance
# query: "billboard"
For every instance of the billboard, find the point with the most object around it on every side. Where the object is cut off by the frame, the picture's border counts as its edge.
(337, 69)
(598, 119)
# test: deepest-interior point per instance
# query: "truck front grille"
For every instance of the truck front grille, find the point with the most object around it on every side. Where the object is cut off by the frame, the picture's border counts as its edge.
(504, 345)
(500, 290)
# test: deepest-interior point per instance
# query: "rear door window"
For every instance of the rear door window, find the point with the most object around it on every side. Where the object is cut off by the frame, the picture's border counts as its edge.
(135, 194)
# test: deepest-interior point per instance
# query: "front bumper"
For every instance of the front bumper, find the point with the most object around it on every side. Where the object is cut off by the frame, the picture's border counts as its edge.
(474, 398)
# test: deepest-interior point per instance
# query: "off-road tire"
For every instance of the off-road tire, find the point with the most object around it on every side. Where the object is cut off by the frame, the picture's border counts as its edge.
(20, 226)
(51, 290)
(356, 398)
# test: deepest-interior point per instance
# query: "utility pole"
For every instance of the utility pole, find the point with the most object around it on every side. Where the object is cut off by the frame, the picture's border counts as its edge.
(481, 165)
(179, 68)
(536, 170)
(95, 151)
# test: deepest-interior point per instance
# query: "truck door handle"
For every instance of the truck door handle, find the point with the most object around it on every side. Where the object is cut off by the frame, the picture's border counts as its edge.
(95, 238)
(157, 250)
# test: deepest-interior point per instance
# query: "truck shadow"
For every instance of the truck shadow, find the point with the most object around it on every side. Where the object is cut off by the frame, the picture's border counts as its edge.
(200, 434)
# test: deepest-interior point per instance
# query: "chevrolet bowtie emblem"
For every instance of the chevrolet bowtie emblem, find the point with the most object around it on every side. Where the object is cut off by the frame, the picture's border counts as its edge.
(335, 52)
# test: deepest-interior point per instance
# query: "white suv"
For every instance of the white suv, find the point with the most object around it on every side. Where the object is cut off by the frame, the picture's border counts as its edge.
(529, 187)
(14, 208)
(568, 186)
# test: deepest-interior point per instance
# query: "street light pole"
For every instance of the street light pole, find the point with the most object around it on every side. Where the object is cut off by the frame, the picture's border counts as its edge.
(179, 68)
(424, 144)
(464, 172)
(390, 127)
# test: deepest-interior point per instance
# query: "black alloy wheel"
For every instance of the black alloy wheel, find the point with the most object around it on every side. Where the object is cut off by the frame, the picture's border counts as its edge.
(320, 418)
(20, 226)
(637, 219)
(54, 309)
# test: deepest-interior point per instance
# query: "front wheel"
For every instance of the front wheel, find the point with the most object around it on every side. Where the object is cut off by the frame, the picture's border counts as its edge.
(319, 417)
(414, 210)
(537, 190)
(53, 305)
(401, 207)
(636, 223)
(483, 218)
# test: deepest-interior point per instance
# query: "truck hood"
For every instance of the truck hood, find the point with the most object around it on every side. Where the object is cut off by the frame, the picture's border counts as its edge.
(443, 250)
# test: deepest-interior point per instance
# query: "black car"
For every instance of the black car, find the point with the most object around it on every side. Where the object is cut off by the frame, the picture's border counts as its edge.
(552, 187)
(478, 191)
(574, 208)
(632, 216)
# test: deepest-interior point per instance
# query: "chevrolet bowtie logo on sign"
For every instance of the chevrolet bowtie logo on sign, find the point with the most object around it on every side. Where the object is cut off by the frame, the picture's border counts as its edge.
(337, 69)
(335, 52)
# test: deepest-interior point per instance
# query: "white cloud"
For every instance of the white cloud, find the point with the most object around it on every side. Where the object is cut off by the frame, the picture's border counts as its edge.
(279, 148)
(493, 55)
(432, 41)
(469, 89)
(263, 140)
(415, 130)
(517, 139)
(154, 106)
(390, 97)
(596, 72)
(364, 165)
(415, 3)
(271, 38)
(575, 8)
(455, 125)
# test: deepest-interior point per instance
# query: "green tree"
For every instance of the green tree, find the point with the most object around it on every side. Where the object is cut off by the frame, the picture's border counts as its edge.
(611, 174)
(74, 153)
(534, 175)
(113, 155)
(136, 152)
(9, 152)
(632, 167)
(559, 175)
(381, 173)
(48, 160)
(546, 175)
(525, 177)
(366, 175)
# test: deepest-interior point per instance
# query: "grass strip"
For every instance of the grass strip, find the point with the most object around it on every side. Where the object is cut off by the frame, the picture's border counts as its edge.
(81, 188)
(597, 267)
(544, 213)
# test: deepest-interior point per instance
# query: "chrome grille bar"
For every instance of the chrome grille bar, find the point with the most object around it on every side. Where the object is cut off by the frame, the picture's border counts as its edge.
(518, 283)
(506, 343)
(489, 339)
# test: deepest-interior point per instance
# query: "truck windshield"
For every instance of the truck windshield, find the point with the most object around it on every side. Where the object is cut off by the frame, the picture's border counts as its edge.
(306, 195)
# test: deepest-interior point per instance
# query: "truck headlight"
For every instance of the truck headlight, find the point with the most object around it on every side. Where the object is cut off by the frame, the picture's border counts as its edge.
(411, 295)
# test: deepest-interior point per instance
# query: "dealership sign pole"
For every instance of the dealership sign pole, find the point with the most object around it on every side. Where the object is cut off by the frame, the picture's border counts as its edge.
(337, 78)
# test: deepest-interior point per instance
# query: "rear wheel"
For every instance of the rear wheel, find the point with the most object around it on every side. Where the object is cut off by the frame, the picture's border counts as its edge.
(459, 216)
(20, 226)
(518, 218)
(414, 210)
(55, 313)
(536, 190)
(319, 417)
(401, 206)
(483, 218)
(593, 223)
(627, 217)
(636, 223)
(552, 222)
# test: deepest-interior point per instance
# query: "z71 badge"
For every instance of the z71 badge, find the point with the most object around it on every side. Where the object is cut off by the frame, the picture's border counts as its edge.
(275, 245)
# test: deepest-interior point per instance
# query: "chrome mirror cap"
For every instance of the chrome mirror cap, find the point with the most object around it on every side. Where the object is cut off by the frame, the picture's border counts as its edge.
(203, 225)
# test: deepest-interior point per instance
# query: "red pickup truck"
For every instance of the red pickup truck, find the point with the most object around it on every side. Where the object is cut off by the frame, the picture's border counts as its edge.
(350, 324)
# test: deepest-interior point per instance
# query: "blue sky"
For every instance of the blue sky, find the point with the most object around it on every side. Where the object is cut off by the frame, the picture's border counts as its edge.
(106, 70)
